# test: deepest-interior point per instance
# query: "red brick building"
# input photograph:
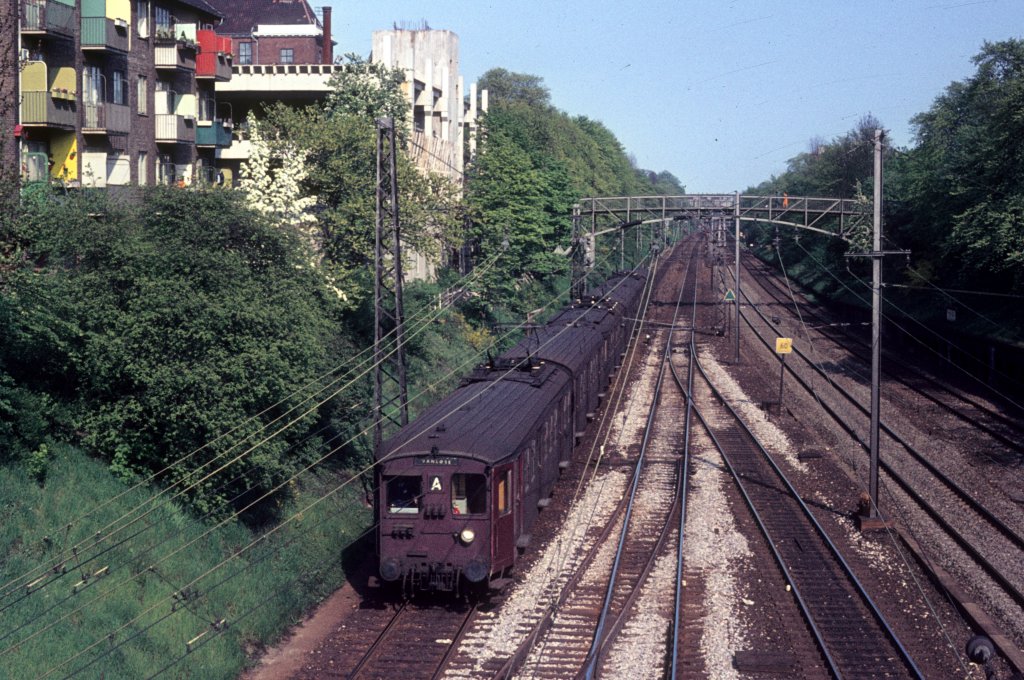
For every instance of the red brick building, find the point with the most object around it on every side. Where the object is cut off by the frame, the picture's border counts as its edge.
(276, 32)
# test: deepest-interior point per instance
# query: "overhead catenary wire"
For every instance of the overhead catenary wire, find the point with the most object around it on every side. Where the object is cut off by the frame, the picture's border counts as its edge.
(253, 543)
(105, 533)
(220, 631)
(1010, 400)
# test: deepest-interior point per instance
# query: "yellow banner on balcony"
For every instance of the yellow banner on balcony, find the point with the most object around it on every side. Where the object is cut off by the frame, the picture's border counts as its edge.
(64, 151)
(64, 80)
(33, 78)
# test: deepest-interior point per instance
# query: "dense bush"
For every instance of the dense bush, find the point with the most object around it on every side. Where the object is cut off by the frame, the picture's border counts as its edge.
(163, 326)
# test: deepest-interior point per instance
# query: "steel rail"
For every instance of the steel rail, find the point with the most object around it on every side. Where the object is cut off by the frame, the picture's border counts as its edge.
(516, 659)
(1016, 445)
(958, 490)
(685, 475)
(1012, 590)
(379, 640)
(823, 535)
(600, 635)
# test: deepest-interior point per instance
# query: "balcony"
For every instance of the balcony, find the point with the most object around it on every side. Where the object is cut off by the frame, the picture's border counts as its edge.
(102, 34)
(50, 109)
(174, 129)
(214, 134)
(176, 55)
(47, 17)
(214, 59)
(106, 118)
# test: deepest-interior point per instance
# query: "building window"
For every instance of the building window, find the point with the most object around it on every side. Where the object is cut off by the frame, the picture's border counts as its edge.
(92, 86)
(287, 55)
(207, 107)
(143, 166)
(142, 94)
(162, 19)
(120, 88)
(142, 18)
(245, 53)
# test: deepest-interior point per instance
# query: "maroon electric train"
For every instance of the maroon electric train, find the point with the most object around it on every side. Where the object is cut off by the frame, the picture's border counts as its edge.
(459, 488)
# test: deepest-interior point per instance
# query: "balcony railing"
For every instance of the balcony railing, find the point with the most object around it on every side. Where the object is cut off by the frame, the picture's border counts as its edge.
(213, 133)
(214, 59)
(106, 117)
(172, 128)
(100, 33)
(35, 167)
(214, 65)
(45, 16)
(175, 56)
(47, 108)
(209, 176)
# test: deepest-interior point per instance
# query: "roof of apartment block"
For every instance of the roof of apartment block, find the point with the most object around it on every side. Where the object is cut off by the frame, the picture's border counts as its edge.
(203, 6)
(242, 16)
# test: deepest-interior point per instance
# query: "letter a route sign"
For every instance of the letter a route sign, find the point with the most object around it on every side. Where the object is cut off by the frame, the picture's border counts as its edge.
(730, 296)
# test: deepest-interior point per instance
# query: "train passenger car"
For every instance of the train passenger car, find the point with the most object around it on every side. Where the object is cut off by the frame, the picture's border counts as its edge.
(459, 488)
(453, 496)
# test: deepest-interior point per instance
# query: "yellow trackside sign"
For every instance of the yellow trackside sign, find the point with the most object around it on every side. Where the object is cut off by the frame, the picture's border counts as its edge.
(783, 345)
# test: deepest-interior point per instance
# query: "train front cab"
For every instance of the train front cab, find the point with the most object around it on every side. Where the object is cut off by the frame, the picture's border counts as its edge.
(447, 522)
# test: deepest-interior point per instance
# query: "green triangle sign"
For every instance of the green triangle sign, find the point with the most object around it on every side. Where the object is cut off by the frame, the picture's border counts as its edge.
(730, 296)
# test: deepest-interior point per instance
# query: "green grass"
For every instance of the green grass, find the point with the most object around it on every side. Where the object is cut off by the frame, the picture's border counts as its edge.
(259, 591)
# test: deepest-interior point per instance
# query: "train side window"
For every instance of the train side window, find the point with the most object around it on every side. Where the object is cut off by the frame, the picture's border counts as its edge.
(469, 494)
(505, 493)
(404, 493)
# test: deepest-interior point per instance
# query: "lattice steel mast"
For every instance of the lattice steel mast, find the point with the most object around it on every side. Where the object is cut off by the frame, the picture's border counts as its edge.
(390, 394)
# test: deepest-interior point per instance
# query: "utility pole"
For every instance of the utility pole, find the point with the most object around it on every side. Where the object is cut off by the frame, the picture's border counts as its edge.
(876, 323)
(736, 214)
(874, 519)
(389, 316)
(579, 256)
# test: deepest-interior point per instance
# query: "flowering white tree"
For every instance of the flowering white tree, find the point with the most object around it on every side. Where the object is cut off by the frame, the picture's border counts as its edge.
(272, 179)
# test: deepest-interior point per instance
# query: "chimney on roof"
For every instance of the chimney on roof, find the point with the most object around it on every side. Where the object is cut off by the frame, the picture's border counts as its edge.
(327, 51)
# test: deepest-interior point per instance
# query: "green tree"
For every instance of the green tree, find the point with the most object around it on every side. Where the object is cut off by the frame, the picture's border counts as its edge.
(367, 90)
(521, 210)
(965, 179)
(507, 87)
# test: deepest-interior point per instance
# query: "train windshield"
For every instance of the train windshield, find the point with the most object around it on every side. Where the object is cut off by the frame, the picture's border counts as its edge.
(404, 494)
(469, 494)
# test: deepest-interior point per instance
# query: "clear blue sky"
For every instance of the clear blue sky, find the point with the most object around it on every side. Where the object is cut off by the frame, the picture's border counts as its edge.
(719, 93)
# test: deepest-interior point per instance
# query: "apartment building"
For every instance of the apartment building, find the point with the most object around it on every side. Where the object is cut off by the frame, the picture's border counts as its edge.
(118, 92)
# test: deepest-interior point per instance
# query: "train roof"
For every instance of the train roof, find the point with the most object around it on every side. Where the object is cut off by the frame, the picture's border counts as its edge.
(568, 346)
(487, 418)
(620, 286)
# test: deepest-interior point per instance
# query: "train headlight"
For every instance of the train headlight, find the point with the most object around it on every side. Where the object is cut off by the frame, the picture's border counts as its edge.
(467, 535)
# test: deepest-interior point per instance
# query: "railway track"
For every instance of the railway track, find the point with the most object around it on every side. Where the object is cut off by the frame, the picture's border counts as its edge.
(403, 641)
(591, 616)
(990, 419)
(569, 629)
(979, 532)
(973, 530)
(853, 636)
